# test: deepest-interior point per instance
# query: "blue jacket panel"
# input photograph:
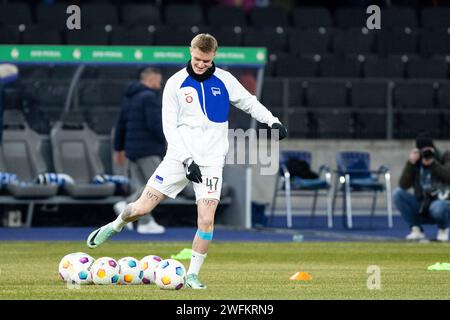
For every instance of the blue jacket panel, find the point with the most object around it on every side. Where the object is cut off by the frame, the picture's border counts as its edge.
(139, 126)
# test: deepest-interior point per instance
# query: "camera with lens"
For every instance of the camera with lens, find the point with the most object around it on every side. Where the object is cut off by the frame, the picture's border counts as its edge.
(427, 154)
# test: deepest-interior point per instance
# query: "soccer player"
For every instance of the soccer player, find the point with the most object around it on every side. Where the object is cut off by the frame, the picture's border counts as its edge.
(195, 109)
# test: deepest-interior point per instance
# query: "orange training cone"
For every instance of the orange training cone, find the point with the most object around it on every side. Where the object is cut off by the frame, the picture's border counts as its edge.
(303, 276)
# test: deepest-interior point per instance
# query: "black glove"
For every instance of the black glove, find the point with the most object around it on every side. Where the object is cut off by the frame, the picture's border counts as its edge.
(281, 129)
(192, 171)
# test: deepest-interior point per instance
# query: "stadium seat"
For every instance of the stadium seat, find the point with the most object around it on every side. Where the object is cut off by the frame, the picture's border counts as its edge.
(41, 35)
(102, 93)
(131, 37)
(145, 15)
(398, 17)
(274, 39)
(445, 129)
(99, 14)
(43, 92)
(336, 66)
(88, 36)
(295, 96)
(102, 120)
(326, 94)
(354, 174)
(22, 155)
(76, 153)
(296, 66)
(427, 68)
(407, 125)
(311, 17)
(351, 17)
(9, 35)
(435, 17)
(443, 98)
(434, 42)
(228, 36)
(383, 67)
(15, 14)
(167, 37)
(272, 93)
(414, 95)
(289, 185)
(370, 124)
(369, 94)
(184, 15)
(369, 101)
(396, 42)
(271, 16)
(226, 17)
(353, 41)
(299, 124)
(329, 124)
(308, 41)
(53, 15)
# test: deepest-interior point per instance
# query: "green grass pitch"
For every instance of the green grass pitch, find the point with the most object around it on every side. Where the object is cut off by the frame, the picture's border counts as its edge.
(29, 270)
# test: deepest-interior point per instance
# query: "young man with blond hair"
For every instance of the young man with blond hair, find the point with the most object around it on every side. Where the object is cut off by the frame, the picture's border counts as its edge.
(195, 110)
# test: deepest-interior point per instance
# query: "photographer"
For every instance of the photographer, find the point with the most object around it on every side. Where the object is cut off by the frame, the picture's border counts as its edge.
(428, 172)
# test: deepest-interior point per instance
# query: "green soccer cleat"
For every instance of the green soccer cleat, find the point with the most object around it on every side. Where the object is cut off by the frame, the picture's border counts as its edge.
(193, 282)
(100, 235)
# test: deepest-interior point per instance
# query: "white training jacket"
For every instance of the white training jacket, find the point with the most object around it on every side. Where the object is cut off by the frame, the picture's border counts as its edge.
(195, 115)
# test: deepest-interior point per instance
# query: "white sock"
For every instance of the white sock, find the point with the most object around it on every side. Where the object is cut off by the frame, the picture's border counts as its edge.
(119, 223)
(196, 262)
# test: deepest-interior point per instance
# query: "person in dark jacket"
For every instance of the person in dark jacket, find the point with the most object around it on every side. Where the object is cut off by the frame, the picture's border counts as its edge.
(139, 138)
(427, 171)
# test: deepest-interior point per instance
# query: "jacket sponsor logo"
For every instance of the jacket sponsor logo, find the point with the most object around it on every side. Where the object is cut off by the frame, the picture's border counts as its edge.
(215, 91)
(189, 98)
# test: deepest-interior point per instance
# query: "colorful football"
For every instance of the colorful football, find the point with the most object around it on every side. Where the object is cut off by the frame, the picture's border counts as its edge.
(105, 270)
(148, 266)
(130, 271)
(170, 274)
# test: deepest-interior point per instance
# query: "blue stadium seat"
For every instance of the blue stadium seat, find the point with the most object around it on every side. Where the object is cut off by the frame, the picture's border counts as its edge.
(354, 174)
(289, 185)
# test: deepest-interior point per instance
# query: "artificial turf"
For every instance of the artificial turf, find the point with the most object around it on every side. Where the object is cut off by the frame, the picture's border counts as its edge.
(249, 271)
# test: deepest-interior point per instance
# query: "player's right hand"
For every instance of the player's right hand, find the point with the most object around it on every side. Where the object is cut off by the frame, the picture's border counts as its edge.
(192, 171)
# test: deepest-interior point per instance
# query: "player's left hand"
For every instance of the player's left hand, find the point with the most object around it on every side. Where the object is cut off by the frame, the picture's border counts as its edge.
(192, 171)
(281, 129)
